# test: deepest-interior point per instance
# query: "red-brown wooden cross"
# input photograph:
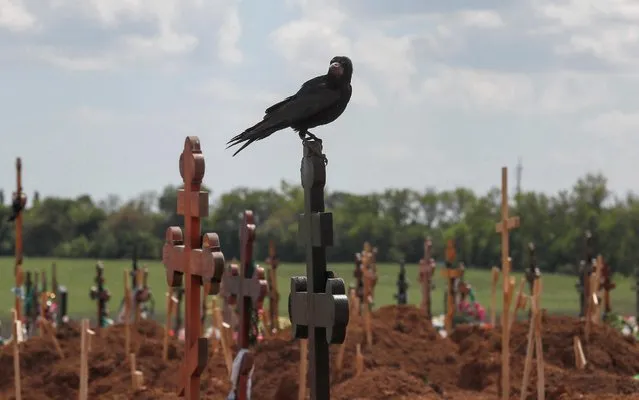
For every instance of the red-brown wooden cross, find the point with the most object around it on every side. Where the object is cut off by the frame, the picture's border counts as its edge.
(197, 258)
(249, 290)
(426, 269)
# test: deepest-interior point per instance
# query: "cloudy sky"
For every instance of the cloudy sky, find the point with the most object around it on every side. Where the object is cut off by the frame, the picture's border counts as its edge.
(98, 95)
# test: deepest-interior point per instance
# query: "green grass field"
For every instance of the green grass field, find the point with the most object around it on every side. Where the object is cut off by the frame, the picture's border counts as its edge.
(77, 275)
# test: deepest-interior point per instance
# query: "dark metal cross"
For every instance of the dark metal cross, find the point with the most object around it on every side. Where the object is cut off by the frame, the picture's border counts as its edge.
(402, 285)
(101, 294)
(318, 305)
(585, 270)
(247, 286)
(195, 257)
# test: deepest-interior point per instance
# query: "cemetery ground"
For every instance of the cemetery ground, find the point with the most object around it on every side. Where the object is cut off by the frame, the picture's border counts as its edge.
(560, 295)
(408, 360)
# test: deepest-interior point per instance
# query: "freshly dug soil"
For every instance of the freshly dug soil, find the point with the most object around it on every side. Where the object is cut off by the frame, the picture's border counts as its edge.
(408, 360)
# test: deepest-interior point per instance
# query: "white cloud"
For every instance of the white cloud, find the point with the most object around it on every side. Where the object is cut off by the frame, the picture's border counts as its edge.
(605, 29)
(481, 19)
(614, 124)
(229, 35)
(227, 90)
(15, 17)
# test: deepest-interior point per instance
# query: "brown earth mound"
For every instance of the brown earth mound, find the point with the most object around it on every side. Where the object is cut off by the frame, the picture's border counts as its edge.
(409, 360)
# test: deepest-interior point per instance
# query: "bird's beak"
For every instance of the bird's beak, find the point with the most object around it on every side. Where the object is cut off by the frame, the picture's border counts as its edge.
(336, 69)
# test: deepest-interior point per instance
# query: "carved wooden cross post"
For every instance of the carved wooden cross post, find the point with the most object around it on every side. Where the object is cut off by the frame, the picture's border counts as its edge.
(585, 271)
(195, 257)
(18, 203)
(245, 285)
(607, 285)
(426, 269)
(504, 227)
(317, 305)
(274, 294)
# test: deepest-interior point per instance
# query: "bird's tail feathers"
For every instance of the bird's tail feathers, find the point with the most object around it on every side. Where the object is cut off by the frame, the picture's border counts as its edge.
(259, 131)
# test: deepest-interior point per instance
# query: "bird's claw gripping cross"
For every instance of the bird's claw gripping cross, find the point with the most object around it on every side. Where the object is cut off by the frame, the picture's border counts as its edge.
(308, 138)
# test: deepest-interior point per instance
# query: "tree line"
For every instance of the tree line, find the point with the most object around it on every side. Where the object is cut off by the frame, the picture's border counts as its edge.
(395, 221)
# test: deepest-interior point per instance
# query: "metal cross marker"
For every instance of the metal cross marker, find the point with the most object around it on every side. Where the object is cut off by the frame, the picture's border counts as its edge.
(247, 286)
(196, 258)
(101, 294)
(18, 204)
(402, 285)
(504, 227)
(318, 305)
(426, 270)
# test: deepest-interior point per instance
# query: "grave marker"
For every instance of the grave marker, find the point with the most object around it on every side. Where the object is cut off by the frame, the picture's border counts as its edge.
(402, 285)
(426, 270)
(197, 259)
(274, 294)
(451, 274)
(607, 285)
(318, 305)
(585, 271)
(18, 203)
(504, 227)
(102, 295)
(245, 286)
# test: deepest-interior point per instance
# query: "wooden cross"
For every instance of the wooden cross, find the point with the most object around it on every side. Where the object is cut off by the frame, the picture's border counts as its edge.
(18, 204)
(247, 286)
(607, 285)
(504, 227)
(532, 273)
(101, 295)
(197, 259)
(451, 274)
(426, 270)
(318, 305)
(274, 294)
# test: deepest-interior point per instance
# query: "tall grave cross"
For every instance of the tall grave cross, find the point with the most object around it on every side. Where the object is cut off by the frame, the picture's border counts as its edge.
(196, 258)
(426, 270)
(402, 285)
(317, 305)
(504, 227)
(247, 286)
(607, 285)
(18, 203)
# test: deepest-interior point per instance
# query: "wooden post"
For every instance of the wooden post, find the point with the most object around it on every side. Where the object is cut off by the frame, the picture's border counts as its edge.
(426, 269)
(318, 304)
(369, 278)
(226, 346)
(195, 257)
(127, 313)
(503, 227)
(302, 387)
(17, 327)
(247, 287)
(359, 360)
(520, 302)
(493, 296)
(171, 303)
(19, 202)
(580, 358)
(85, 347)
(534, 345)
(274, 294)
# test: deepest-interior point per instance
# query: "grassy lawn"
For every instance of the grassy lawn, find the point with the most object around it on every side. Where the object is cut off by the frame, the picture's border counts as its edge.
(559, 295)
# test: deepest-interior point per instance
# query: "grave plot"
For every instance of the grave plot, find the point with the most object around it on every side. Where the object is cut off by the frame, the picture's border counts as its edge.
(408, 359)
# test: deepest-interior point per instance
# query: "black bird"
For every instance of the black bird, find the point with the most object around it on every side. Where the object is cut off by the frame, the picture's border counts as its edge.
(16, 207)
(319, 101)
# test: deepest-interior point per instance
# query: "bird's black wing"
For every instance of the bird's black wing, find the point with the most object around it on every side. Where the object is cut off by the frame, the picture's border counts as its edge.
(306, 86)
(298, 107)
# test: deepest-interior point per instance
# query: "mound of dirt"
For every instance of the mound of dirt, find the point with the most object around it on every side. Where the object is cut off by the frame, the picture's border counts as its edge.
(408, 360)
